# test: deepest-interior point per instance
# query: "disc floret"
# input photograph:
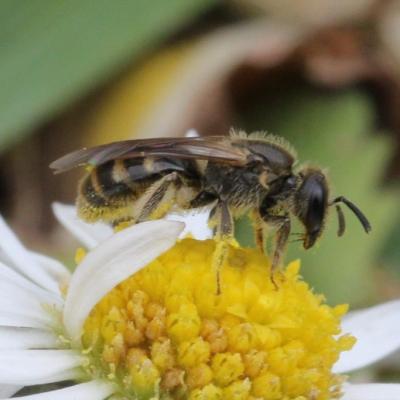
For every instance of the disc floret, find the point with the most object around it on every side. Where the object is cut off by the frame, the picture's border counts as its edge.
(165, 333)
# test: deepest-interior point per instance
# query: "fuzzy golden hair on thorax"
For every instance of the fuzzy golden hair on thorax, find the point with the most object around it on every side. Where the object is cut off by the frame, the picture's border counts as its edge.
(265, 137)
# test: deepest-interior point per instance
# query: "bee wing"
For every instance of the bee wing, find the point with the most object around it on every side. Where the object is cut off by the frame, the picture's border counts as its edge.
(215, 148)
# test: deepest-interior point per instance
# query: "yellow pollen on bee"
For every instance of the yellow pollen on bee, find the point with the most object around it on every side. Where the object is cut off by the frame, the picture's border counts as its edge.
(122, 225)
(164, 333)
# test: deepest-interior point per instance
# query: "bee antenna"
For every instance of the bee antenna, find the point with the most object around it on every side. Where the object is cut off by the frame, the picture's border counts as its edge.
(357, 212)
(341, 220)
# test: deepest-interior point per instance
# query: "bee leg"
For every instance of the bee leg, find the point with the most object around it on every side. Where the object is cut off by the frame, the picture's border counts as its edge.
(202, 199)
(221, 219)
(282, 236)
(122, 223)
(258, 230)
(282, 224)
(159, 198)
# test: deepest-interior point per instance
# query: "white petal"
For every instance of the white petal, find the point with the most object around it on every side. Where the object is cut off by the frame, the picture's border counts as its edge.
(22, 260)
(192, 133)
(24, 320)
(54, 268)
(372, 391)
(107, 265)
(38, 319)
(8, 390)
(377, 332)
(90, 235)
(72, 374)
(26, 338)
(11, 293)
(19, 296)
(31, 367)
(7, 274)
(196, 224)
(94, 390)
(20, 302)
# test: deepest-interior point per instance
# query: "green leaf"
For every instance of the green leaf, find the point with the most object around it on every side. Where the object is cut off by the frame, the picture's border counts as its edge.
(333, 129)
(53, 51)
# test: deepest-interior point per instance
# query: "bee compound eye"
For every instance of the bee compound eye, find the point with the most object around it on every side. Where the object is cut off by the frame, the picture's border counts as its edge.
(311, 206)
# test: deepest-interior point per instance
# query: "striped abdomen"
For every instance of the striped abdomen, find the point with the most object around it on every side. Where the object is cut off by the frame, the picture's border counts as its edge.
(109, 191)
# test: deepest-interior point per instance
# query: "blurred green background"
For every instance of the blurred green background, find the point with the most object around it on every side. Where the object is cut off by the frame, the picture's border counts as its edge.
(325, 75)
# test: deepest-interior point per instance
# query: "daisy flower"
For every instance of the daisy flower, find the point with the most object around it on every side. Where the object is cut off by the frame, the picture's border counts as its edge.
(140, 319)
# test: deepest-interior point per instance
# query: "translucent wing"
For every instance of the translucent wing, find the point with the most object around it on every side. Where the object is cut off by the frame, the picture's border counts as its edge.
(215, 148)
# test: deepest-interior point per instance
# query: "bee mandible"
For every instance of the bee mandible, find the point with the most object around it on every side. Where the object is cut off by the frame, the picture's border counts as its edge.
(137, 180)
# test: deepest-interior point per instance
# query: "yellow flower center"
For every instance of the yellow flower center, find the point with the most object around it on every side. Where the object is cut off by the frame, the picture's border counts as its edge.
(165, 333)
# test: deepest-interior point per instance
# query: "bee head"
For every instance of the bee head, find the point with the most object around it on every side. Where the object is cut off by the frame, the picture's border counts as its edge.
(311, 203)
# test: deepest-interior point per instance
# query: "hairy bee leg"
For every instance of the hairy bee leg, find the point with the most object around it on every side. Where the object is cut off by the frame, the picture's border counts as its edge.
(202, 199)
(258, 231)
(222, 220)
(122, 223)
(282, 223)
(156, 194)
(282, 237)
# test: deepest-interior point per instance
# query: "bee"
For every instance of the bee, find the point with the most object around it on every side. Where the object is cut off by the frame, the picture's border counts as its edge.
(138, 180)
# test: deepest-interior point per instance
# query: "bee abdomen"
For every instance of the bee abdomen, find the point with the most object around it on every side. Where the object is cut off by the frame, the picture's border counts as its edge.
(111, 192)
(102, 197)
(91, 193)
